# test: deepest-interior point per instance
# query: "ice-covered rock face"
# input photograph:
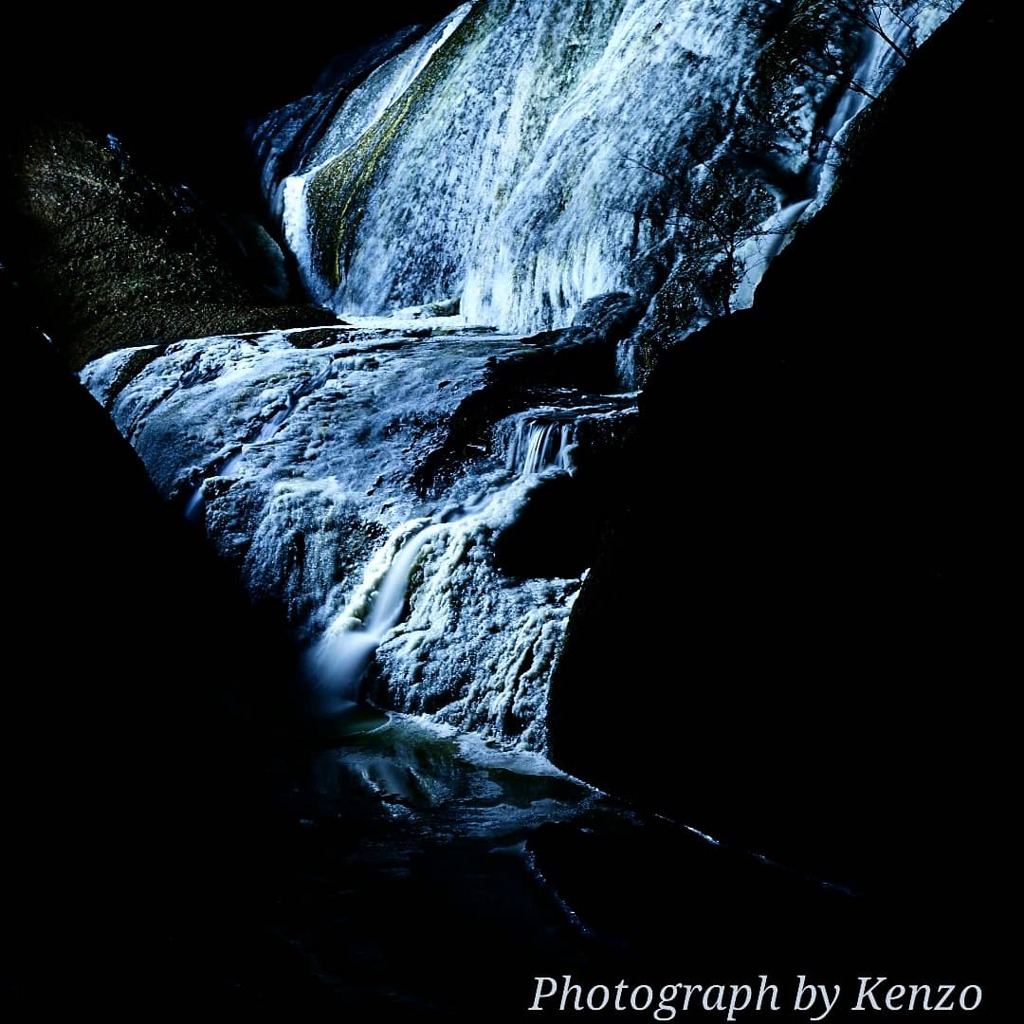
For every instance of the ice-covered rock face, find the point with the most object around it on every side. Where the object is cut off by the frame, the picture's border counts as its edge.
(525, 155)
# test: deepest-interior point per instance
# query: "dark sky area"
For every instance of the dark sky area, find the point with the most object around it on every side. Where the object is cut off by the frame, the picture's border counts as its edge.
(179, 89)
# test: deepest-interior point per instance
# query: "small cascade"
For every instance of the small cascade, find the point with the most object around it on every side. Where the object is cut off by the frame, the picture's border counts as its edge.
(625, 364)
(540, 444)
(416, 589)
(341, 658)
(762, 247)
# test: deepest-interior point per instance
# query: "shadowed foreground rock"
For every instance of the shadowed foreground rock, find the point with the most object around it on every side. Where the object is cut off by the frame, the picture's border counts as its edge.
(794, 637)
(142, 698)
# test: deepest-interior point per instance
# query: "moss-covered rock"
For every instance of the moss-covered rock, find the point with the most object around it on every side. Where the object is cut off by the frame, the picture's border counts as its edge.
(111, 257)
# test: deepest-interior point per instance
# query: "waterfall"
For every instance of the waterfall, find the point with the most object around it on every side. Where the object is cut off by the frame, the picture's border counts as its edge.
(443, 547)
(345, 651)
(306, 455)
(523, 158)
(508, 168)
(476, 188)
(365, 107)
(538, 444)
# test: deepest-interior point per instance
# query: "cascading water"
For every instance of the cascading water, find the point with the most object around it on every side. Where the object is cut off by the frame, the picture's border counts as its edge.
(509, 167)
(539, 444)
(342, 656)
(887, 33)
(471, 646)
(511, 159)
(314, 502)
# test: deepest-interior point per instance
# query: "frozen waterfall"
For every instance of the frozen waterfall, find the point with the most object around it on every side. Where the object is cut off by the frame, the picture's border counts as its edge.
(468, 185)
(522, 158)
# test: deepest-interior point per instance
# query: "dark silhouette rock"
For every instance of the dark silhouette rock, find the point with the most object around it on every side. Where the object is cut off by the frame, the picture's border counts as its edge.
(144, 700)
(793, 635)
